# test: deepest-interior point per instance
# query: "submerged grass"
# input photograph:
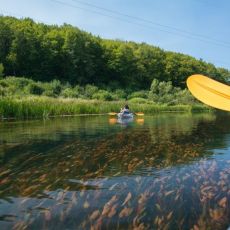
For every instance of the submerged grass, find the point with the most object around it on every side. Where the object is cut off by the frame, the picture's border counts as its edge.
(42, 107)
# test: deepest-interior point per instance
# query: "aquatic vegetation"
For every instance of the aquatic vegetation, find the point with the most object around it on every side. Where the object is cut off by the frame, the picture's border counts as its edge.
(159, 175)
(42, 107)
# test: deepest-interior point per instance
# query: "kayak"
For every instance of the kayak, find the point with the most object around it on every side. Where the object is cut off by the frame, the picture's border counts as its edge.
(125, 118)
(125, 115)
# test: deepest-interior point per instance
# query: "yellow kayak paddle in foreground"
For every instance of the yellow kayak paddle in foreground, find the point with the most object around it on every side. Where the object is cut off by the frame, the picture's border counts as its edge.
(209, 91)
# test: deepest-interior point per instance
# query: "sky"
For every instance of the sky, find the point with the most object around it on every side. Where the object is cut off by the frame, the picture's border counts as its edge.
(199, 28)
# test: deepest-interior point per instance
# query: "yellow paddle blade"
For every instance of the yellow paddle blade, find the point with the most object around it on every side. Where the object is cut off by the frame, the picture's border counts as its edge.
(112, 114)
(140, 114)
(209, 91)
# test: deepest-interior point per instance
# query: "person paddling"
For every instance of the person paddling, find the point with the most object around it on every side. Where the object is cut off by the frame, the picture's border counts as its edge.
(125, 110)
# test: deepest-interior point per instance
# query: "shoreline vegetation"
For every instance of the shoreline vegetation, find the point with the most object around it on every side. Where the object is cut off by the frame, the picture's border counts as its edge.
(23, 98)
(45, 107)
(50, 70)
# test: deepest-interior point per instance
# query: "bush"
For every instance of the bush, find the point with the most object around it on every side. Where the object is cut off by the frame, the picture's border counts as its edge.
(165, 88)
(90, 90)
(165, 93)
(3, 83)
(19, 82)
(56, 87)
(184, 97)
(139, 94)
(52, 89)
(49, 93)
(69, 92)
(35, 88)
(139, 100)
(162, 88)
(1, 70)
(12, 90)
(119, 94)
(3, 91)
(103, 95)
(79, 90)
(154, 89)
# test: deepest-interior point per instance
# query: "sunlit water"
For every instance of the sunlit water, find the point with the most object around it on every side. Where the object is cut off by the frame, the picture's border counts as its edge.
(168, 171)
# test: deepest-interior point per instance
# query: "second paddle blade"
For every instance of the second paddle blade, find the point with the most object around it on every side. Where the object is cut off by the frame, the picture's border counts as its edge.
(139, 114)
(112, 114)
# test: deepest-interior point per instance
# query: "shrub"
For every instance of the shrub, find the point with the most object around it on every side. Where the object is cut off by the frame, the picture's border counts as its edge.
(49, 93)
(35, 88)
(19, 82)
(165, 93)
(184, 97)
(12, 90)
(139, 100)
(154, 89)
(162, 88)
(1, 70)
(139, 94)
(79, 90)
(52, 89)
(120, 94)
(3, 91)
(56, 87)
(69, 92)
(165, 88)
(103, 95)
(3, 83)
(66, 85)
(90, 90)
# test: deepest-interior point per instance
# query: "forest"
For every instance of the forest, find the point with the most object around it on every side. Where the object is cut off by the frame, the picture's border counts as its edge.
(43, 53)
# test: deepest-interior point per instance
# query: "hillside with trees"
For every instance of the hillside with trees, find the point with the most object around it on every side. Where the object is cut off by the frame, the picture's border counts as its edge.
(46, 52)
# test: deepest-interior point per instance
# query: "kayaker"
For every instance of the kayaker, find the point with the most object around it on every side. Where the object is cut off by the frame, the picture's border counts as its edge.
(125, 109)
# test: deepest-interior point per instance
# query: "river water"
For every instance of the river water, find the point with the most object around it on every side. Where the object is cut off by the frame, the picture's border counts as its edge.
(168, 171)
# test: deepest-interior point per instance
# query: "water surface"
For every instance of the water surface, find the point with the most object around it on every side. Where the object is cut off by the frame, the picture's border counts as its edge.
(169, 171)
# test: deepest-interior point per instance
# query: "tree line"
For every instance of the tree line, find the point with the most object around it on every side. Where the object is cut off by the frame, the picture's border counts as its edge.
(46, 52)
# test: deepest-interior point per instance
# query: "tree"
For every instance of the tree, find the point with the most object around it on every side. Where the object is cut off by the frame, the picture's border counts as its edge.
(47, 52)
(6, 36)
(1, 70)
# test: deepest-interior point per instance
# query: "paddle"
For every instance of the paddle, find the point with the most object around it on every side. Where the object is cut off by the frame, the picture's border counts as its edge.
(138, 114)
(112, 113)
(209, 91)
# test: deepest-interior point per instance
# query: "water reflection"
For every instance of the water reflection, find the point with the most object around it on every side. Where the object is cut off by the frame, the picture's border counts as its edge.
(160, 172)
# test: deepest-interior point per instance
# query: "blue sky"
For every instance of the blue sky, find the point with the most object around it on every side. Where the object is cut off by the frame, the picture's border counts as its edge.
(199, 28)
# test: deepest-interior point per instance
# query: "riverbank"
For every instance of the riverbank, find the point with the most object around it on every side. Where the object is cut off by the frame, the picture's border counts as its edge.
(43, 107)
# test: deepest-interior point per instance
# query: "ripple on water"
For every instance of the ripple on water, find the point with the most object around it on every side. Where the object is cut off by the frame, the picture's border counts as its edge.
(171, 172)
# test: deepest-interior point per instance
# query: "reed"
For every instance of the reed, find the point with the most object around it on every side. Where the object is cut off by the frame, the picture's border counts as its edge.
(42, 107)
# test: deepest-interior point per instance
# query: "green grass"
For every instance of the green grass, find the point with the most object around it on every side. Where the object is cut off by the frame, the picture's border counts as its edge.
(42, 107)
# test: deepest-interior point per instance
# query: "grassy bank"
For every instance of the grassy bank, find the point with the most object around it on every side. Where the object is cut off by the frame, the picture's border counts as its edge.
(42, 107)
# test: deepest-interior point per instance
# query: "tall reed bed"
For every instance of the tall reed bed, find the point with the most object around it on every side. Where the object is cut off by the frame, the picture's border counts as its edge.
(42, 107)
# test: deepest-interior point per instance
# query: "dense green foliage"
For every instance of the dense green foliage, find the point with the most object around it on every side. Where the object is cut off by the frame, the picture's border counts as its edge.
(159, 93)
(69, 71)
(25, 98)
(38, 107)
(68, 54)
(1, 70)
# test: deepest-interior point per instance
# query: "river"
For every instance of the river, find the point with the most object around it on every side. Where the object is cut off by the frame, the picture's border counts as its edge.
(168, 171)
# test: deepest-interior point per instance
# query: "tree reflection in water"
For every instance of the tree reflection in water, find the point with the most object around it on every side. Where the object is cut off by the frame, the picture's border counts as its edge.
(161, 172)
